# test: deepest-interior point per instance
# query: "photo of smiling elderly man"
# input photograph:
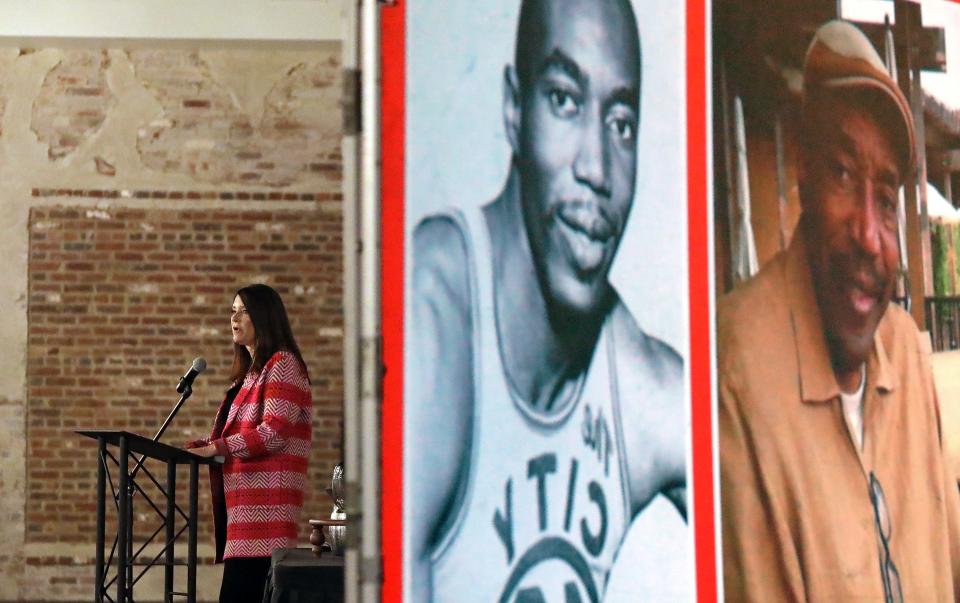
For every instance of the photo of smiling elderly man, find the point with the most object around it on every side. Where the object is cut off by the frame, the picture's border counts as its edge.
(541, 419)
(834, 479)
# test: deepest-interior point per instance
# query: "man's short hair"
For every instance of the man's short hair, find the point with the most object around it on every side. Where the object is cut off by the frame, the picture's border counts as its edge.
(531, 30)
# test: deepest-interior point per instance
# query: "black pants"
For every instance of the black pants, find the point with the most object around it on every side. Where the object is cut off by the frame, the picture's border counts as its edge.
(244, 579)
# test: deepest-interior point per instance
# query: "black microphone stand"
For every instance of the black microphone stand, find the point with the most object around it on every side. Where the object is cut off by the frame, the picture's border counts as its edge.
(187, 391)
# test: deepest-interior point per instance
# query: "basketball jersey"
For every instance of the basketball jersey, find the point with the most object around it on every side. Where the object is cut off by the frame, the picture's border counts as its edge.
(544, 508)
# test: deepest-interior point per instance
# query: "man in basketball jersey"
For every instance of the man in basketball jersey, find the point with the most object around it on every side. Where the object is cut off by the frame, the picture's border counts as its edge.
(540, 418)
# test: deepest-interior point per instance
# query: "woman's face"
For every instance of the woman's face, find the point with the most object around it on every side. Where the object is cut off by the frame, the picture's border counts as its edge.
(243, 333)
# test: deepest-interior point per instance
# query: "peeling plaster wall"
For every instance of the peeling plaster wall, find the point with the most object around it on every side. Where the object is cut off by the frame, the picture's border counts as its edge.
(73, 102)
(105, 130)
(228, 127)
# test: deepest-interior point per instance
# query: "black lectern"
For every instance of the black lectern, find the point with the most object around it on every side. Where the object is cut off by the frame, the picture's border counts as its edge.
(123, 493)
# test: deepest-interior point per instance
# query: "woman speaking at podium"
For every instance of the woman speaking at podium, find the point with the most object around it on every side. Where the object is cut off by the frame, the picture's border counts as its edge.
(263, 430)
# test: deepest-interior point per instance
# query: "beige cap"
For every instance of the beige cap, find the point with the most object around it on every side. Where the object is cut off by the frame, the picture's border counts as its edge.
(841, 56)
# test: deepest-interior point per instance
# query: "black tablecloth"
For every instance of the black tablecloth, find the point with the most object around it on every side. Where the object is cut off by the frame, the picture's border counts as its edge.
(299, 576)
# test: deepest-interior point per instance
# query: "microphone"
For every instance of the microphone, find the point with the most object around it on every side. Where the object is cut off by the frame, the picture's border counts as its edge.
(199, 365)
(185, 388)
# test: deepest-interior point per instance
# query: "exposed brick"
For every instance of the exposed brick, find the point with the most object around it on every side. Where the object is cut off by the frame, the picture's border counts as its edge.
(109, 355)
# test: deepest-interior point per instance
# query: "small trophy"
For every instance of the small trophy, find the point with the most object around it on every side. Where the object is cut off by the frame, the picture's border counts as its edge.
(337, 524)
(337, 533)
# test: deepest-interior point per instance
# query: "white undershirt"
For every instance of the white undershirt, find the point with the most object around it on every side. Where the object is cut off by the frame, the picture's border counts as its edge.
(853, 409)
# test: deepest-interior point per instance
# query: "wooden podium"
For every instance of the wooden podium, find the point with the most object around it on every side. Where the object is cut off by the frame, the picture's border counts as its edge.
(123, 494)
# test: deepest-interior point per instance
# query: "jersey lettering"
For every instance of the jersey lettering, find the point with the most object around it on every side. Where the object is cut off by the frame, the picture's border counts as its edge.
(540, 467)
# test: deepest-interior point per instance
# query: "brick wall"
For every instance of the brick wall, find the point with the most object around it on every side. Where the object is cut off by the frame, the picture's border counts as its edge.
(121, 301)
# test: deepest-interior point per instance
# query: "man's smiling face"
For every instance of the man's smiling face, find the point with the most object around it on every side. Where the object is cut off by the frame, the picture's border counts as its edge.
(575, 144)
(849, 189)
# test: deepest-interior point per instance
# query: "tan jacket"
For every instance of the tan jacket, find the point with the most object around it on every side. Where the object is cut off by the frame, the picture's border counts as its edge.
(797, 520)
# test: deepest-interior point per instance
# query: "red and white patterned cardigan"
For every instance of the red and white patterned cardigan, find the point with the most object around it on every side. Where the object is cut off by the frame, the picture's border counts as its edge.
(265, 439)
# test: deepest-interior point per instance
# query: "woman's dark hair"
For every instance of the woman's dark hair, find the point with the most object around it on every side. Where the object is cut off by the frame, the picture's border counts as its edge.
(271, 329)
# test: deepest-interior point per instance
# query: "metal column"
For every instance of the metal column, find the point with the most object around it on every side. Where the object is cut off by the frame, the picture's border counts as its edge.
(351, 295)
(370, 343)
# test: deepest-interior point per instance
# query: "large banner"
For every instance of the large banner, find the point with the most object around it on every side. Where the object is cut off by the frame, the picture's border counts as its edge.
(836, 410)
(636, 333)
(546, 426)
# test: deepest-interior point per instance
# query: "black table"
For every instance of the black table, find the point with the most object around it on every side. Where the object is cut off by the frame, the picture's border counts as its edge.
(299, 576)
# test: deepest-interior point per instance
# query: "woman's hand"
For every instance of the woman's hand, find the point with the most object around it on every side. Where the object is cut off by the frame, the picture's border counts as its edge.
(205, 451)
